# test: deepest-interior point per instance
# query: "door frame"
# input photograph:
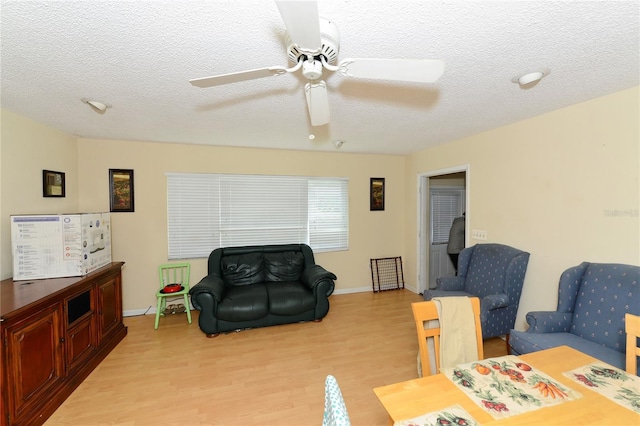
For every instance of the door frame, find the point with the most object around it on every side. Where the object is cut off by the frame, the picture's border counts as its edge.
(423, 218)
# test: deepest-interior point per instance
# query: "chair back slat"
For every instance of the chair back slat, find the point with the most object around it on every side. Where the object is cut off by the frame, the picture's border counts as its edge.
(175, 273)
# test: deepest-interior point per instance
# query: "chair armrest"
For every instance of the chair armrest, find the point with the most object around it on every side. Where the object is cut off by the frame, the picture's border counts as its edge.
(450, 283)
(495, 301)
(212, 284)
(549, 321)
(315, 274)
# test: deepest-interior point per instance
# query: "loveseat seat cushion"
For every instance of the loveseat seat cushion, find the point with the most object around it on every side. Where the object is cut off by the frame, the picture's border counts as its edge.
(283, 266)
(242, 269)
(289, 298)
(523, 342)
(244, 303)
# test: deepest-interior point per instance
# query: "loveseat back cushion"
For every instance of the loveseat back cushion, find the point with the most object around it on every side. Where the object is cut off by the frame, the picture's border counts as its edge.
(242, 269)
(283, 266)
(290, 298)
(606, 293)
(244, 303)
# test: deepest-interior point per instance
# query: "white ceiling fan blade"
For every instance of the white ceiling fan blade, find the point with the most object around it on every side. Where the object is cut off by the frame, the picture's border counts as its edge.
(318, 103)
(416, 70)
(302, 21)
(235, 77)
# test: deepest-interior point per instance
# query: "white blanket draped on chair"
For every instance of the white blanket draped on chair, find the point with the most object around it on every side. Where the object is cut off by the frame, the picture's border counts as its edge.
(458, 344)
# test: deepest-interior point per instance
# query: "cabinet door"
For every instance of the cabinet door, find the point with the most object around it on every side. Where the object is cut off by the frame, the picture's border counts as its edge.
(81, 341)
(81, 335)
(109, 305)
(36, 362)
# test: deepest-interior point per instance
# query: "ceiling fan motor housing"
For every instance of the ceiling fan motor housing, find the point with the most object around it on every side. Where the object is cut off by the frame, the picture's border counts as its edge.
(330, 44)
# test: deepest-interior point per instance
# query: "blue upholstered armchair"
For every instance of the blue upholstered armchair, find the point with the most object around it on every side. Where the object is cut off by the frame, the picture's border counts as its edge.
(495, 274)
(592, 301)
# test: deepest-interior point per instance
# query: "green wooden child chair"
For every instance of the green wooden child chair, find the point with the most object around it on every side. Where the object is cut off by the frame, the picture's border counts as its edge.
(174, 282)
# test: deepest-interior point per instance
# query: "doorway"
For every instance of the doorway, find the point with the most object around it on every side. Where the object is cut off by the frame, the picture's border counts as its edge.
(451, 186)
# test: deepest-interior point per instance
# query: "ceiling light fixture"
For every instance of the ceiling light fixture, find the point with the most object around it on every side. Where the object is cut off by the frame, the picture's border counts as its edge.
(530, 78)
(97, 106)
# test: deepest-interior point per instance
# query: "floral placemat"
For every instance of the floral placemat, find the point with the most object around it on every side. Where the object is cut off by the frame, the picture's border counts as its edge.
(507, 386)
(615, 384)
(453, 415)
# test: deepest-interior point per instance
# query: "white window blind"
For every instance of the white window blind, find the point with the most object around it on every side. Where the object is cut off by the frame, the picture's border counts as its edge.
(446, 205)
(328, 214)
(207, 211)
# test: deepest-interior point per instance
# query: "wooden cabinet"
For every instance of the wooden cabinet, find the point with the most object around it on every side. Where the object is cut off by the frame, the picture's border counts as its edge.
(54, 333)
(109, 299)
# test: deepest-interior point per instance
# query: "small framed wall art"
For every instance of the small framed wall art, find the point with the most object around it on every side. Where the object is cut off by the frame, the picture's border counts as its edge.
(52, 184)
(121, 190)
(376, 190)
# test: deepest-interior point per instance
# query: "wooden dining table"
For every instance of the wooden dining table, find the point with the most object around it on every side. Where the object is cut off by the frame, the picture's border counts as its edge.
(413, 398)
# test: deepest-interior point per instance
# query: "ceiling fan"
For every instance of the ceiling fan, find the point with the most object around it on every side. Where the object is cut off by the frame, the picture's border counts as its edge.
(313, 44)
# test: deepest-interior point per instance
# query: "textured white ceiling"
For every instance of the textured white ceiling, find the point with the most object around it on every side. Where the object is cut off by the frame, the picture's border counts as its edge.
(139, 55)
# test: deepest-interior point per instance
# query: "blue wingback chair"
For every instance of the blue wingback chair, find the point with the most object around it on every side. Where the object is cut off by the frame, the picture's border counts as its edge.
(495, 274)
(592, 301)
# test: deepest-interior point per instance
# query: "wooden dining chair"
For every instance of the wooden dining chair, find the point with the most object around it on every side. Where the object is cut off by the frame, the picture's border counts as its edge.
(424, 314)
(632, 328)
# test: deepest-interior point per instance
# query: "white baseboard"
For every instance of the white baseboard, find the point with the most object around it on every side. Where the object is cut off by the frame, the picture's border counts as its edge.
(135, 312)
(352, 290)
(367, 289)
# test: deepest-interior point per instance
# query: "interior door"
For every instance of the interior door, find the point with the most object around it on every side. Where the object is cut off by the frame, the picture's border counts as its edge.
(447, 201)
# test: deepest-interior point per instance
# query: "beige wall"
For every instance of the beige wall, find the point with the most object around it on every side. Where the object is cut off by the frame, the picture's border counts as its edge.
(140, 238)
(563, 186)
(27, 148)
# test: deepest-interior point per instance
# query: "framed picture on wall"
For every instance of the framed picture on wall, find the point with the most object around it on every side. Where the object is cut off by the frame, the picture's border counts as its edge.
(376, 189)
(52, 184)
(121, 190)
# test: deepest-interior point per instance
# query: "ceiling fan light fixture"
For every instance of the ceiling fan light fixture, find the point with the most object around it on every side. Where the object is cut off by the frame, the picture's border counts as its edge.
(97, 106)
(530, 78)
(312, 69)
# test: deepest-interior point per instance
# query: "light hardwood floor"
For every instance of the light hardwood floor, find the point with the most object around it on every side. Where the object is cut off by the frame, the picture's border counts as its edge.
(268, 376)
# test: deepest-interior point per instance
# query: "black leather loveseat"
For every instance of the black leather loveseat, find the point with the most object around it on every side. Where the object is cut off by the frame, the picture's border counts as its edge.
(258, 286)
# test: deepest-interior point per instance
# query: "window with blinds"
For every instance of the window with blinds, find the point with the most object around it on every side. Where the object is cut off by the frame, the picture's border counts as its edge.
(207, 211)
(446, 205)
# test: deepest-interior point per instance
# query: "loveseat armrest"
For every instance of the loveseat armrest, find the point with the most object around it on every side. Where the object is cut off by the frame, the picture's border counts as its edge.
(314, 275)
(495, 301)
(549, 321)
(212, 284)
(450, 283)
